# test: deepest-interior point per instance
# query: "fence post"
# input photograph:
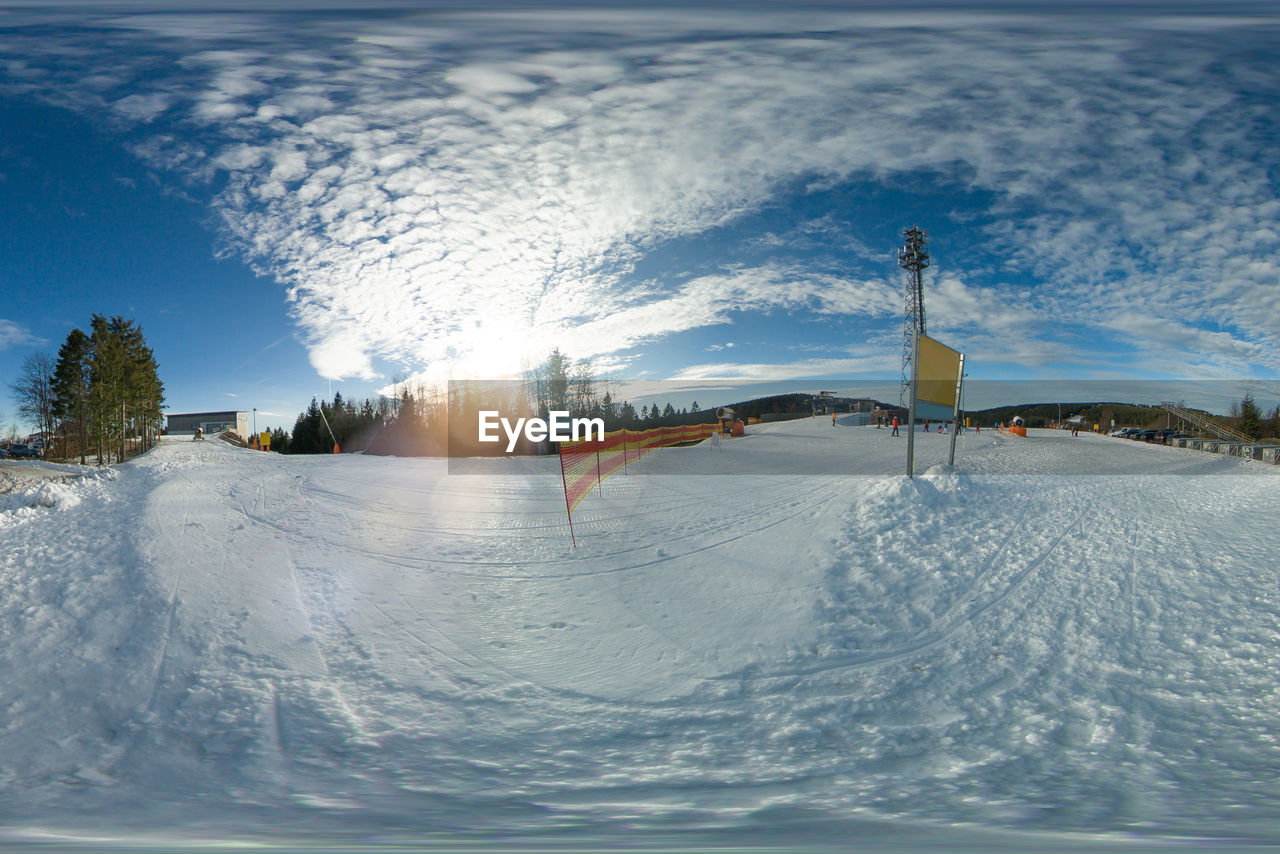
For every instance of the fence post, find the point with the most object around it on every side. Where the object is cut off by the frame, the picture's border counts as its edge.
(567, 510)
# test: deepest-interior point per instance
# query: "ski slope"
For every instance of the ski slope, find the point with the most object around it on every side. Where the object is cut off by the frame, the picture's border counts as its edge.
(1059, 642)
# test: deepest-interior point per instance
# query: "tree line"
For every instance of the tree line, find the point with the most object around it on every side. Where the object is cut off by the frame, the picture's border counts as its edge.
(340, 422)
(101, 396)
(417, 420)
(1245, 416)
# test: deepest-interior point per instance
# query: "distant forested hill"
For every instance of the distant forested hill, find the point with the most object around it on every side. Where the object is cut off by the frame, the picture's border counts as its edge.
(1046, 414)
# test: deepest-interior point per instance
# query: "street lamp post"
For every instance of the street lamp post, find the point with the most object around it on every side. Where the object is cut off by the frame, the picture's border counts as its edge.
(255, 426)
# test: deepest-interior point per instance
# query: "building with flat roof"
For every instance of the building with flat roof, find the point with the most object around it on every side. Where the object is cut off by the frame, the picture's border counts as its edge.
(212, 423)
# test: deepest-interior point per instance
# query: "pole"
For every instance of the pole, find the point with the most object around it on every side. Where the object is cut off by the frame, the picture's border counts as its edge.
(330, 429)
(255, 427)
(911, 405)
(567, 510)
(955, 428)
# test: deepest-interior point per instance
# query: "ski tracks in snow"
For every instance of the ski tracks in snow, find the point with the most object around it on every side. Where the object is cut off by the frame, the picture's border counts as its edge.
(998, 578)
(344, 637)
(238, 672)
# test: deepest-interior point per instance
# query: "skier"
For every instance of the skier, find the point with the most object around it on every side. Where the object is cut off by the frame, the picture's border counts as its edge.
(895, 426)
(833, 419)
(199, 435)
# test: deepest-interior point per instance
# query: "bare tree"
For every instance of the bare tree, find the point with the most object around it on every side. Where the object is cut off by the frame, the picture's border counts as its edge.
(33, 389)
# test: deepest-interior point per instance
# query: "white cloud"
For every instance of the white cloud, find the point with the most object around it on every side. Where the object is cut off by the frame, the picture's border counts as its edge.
(143, 108)
(469, 189)
(15, 335)
(876, 363)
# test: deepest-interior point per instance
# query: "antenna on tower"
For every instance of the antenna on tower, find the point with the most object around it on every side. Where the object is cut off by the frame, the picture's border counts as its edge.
(913, 256)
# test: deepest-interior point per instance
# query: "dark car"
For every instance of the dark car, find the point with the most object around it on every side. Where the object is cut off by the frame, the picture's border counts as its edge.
(1146, 436)
(20, 451)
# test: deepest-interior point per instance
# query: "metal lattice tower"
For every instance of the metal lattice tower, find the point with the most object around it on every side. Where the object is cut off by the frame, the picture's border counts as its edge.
(913, 256)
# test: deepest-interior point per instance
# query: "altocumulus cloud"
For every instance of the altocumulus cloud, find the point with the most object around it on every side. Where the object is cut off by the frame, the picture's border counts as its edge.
(470, 189)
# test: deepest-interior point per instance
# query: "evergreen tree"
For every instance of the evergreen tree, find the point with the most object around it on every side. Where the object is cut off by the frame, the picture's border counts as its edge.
(142, 394)
(107, 369)
(125, 393)
(280, 441)
(550, 382)
(71, 391)
(1250, 421)
(306, 432)
(608, 410)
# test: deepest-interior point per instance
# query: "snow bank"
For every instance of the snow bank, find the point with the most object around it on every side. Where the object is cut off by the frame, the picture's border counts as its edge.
(52, 488)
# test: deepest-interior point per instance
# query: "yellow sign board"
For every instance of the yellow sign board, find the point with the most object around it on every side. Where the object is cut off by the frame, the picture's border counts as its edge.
(264, 438)
(938, 370)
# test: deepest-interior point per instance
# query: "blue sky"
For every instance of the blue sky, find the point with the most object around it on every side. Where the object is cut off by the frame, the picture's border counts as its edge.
(291, 200)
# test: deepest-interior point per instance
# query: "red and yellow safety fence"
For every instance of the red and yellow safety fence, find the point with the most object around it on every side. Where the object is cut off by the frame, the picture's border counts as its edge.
(584, 465)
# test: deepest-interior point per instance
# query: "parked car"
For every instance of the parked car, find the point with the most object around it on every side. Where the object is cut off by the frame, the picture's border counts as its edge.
(19, 450)
(1146, 436)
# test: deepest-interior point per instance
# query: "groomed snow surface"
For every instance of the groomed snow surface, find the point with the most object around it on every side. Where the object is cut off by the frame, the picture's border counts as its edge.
(1061, 642)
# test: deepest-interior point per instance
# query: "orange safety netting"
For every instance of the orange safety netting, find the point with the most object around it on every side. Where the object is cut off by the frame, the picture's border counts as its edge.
(585, 464)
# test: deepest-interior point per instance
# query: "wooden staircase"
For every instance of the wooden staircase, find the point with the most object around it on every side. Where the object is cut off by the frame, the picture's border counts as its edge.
(1205, 423)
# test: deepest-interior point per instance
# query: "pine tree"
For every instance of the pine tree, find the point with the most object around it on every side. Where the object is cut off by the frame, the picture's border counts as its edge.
(550, 383)
(107, 368)
(280, 441)
(71, 390)
(306, 432)
(142, 397)
(1250, 421)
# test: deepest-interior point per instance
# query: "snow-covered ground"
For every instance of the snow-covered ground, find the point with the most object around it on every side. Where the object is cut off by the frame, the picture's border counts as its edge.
(1060, 642)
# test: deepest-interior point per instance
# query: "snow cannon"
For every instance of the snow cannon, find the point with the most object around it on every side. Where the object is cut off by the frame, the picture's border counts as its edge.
(725, 416)
(1017, 427)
